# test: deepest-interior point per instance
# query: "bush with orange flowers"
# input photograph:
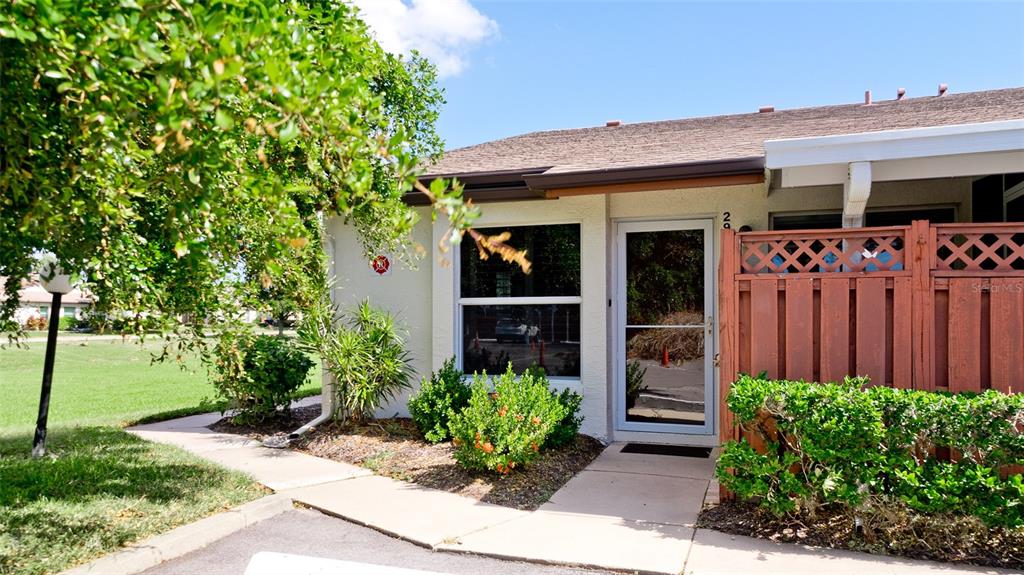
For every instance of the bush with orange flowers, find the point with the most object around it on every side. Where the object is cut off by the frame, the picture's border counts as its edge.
(501, 430)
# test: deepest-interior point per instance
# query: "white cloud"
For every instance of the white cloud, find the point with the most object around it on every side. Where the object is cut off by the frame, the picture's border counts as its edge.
(442, 30)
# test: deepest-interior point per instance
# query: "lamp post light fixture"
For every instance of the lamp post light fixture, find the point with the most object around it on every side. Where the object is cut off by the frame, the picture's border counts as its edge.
(57, 283)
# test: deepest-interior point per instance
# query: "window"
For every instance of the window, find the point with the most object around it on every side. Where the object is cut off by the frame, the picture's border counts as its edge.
(873, 218)
(69, 311)
(509, 316)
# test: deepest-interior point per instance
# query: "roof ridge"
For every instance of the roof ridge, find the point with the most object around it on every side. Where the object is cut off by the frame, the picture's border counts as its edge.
(875, 103)
(704, 138)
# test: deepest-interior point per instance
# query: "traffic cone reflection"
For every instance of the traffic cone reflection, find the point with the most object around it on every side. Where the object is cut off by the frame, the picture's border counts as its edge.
(664, 357)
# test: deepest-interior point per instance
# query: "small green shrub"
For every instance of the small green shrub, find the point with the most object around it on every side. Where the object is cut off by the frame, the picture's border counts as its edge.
(67, 323)
(862, 448)
(258, 374)
(566, 430)
(364, 352)
(505, 429)
(441, 396)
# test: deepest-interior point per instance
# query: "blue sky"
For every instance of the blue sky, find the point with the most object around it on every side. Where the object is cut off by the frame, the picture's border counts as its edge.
(570, 64)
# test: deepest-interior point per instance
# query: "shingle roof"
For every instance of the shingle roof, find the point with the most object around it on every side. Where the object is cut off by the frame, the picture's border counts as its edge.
(721, 137)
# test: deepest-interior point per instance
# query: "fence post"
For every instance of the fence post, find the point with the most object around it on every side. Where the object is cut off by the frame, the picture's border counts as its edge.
(922, 252)
(728, 334)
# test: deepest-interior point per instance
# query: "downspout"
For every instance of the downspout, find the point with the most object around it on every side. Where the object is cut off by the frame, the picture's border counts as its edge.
(328, 400)
(856, 191)
(327, 405)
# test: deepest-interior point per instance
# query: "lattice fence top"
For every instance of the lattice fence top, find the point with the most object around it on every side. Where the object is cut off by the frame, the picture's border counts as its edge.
(870, 251)
(984, 248)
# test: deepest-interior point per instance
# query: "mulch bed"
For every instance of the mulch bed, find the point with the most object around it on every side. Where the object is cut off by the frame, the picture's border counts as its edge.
(394, 448)
(952, 539)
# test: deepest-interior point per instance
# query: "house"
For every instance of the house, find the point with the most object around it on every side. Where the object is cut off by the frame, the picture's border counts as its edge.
(667, 256)
(36, 303)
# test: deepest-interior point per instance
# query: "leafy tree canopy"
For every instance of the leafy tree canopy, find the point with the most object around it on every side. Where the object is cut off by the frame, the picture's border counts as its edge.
(181, 155)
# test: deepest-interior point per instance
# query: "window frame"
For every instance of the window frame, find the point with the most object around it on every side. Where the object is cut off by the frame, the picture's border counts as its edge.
(461, 302)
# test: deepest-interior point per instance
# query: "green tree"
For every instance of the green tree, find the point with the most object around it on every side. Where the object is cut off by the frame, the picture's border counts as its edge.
(182, 155)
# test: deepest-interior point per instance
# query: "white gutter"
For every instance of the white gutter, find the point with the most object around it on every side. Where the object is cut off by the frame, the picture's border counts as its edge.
(1002, 136)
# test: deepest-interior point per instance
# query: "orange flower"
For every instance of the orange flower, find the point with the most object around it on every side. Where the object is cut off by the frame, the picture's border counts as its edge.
(535, 420)
(534, 446)
(519, 417)
(478, 436)
(488, 447)
(500, 468)
(503, 411)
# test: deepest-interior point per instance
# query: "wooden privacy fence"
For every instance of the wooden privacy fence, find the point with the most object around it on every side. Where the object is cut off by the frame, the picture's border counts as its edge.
(933, 307)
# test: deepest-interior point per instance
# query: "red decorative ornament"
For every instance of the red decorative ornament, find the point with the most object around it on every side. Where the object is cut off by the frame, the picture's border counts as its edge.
(381, 264)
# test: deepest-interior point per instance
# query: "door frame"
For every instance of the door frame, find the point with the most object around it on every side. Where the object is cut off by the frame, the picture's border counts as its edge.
(663, 431)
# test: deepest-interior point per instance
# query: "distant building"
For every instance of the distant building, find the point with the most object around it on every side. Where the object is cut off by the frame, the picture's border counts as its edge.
(36, 302)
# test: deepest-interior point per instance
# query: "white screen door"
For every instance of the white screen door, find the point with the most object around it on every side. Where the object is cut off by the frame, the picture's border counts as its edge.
(664, 325)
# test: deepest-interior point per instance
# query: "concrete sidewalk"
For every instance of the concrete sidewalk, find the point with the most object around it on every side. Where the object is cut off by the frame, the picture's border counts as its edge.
(627, 512)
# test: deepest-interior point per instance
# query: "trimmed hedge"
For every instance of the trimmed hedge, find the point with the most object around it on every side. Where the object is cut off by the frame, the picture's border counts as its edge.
(870, 447)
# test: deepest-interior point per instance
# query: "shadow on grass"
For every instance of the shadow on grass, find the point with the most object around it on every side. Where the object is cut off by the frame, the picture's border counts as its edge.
(206, 406)
(98, 489)
(83, 463)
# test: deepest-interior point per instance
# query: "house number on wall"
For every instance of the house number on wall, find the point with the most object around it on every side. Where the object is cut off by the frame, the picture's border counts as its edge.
(726, 220)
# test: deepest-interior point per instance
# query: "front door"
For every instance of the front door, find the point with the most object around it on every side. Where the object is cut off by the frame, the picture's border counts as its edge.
(663, 336)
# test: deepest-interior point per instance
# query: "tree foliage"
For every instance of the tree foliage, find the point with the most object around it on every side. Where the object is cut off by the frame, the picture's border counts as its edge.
(182, 155)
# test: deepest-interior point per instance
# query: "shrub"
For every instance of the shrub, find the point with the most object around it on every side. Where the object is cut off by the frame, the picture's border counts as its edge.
(36, 323)
(440, 397)
(258, 375)
(365, 353)
(842, 444)
(566, 430)
(67, 323)
(505, 429)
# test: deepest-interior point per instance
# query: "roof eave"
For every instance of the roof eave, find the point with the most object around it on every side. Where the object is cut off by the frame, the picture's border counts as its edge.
(534, 183)
(636, 174)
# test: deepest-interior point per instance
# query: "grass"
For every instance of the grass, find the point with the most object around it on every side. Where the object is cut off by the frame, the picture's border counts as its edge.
(104, 383)
(101, 488)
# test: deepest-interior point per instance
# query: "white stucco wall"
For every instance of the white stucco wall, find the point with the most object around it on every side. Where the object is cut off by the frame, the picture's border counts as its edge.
(591, 213)
(424, 298)
(406, 292)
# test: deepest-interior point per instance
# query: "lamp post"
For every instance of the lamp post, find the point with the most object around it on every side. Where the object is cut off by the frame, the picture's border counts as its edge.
(58, 284)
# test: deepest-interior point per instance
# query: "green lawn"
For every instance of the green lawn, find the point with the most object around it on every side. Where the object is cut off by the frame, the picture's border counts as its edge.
(99, 489)
(101, 383)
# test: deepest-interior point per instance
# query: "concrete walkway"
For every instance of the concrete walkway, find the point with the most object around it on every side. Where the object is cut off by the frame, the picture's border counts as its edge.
(628, 512)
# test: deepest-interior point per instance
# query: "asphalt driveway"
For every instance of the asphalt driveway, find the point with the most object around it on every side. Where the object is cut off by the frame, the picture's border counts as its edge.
(307, 532)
